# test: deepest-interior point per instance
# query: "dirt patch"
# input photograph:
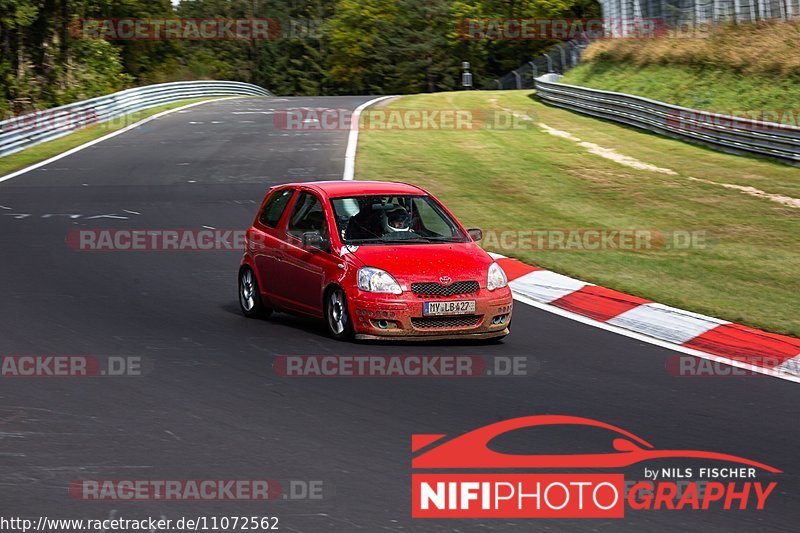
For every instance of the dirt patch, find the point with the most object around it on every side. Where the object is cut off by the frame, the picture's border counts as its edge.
(607, 153)
(787, 201)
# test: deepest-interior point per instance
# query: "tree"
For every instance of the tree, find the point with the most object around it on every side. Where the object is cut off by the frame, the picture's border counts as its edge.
(323, 47)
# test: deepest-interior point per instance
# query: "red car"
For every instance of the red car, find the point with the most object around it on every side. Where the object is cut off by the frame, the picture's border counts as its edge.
(376, 260)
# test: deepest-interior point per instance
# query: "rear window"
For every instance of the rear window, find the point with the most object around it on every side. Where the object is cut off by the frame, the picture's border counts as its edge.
(275, 207)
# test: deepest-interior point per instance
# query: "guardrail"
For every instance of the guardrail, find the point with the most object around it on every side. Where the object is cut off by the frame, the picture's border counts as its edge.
(24, 131)
(721, 132)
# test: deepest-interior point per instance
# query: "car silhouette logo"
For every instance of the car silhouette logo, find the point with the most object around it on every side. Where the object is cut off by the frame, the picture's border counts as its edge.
(445, 280)
(471, 450)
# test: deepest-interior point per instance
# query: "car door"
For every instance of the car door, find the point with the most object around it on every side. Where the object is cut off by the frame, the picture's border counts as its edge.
(265, 239)
(304, 269)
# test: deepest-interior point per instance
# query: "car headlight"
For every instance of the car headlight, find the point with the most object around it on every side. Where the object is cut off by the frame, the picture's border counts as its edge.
(376, 280)
(497, 278)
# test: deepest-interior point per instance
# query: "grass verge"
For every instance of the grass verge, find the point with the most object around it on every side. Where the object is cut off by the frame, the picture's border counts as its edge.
(708, 89)
(747, 69)
(45, 150)
(523, 179)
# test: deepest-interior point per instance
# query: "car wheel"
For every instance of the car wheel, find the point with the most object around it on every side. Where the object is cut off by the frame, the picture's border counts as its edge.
(336, 316)
(250, 296)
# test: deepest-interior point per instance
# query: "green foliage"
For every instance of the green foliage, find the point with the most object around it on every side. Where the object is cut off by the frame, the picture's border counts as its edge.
(324, 46)
(712, 89)
(736, 68)
(418, 45)
(97, 70)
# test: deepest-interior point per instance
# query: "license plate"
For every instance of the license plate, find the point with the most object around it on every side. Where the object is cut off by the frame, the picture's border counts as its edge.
(460, 307)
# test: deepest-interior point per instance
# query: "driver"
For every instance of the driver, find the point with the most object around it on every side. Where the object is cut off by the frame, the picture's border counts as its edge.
(396, 220)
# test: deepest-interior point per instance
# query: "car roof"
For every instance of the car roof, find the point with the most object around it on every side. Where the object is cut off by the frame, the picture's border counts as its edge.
(340, 188)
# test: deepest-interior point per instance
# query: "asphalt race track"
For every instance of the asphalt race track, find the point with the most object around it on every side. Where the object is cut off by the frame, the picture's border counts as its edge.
(210, 405)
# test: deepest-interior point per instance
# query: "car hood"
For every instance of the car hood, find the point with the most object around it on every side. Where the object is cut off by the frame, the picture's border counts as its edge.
(410, 263)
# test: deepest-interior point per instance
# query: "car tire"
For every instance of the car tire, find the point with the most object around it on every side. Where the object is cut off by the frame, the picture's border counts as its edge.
(337, 318)
(250, 295)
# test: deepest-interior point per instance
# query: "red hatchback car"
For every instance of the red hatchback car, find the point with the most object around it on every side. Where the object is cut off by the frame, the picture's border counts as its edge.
(375, 260)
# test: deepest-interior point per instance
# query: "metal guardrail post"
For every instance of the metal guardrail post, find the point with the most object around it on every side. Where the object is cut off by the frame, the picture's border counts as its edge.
(549, 63)
(517, 78)
(563, 57)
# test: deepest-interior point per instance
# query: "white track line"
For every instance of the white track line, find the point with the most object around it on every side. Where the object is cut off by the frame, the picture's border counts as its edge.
(105, 137)
(651, 340)
(352, 139)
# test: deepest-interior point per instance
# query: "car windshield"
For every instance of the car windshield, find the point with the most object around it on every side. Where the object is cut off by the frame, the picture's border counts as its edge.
(408, 219)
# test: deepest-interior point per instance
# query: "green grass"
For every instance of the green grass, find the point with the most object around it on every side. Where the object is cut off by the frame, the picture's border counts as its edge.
(747, 69)
(706, 88)
(525, 179)
(43, 151)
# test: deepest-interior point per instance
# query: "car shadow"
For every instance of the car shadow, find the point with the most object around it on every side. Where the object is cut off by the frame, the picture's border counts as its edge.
(440, 343)
(317, 328)
(299, 323)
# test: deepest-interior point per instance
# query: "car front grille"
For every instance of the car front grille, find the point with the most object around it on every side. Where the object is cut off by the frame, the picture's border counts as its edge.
(440, 322)
(437, 289)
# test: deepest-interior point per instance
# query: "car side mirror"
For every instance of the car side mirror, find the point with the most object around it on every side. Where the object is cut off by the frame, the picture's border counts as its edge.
(313, 239)
(475, 233)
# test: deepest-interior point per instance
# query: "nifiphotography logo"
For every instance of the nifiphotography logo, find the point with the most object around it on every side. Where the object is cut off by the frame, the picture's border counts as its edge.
(471, 480)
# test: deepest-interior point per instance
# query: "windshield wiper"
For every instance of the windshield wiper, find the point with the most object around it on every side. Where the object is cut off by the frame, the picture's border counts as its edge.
(410, 240)
(389, 240)
(443, 239)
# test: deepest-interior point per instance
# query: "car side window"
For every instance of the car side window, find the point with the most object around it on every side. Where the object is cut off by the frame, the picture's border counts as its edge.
(307, 215)
(274, 208)
(424, 218)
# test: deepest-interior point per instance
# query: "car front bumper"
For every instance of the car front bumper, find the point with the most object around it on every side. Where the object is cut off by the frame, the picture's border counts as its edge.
(386, 316)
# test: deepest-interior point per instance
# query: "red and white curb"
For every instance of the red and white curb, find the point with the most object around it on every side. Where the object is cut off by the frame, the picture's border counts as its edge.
(669, 327)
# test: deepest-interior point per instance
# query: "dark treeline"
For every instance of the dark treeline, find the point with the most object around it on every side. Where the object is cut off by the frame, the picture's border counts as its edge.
(320, 47)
